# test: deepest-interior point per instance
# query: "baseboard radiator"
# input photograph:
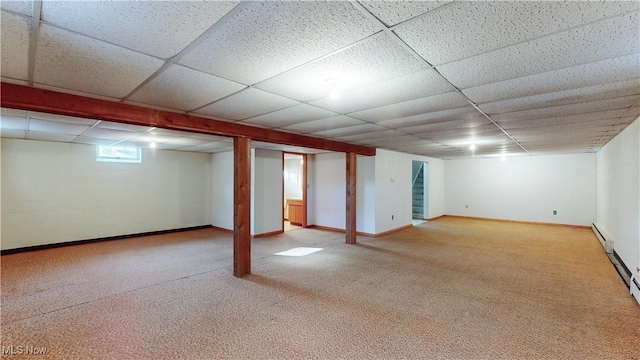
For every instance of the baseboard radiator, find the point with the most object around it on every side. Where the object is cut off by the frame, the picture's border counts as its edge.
(631, 280)
(608, 244)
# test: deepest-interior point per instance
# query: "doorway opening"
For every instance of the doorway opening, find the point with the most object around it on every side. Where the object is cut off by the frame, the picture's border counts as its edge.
(294, 186)
(419, 191)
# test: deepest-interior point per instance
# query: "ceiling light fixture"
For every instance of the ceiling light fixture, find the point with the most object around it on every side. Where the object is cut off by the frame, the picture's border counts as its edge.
(333, 88)
(472, 147)
(152, 145)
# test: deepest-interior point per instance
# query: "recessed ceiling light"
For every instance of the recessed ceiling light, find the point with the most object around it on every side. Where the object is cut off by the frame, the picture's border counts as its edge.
(333, 88)
(152, 145)
(472, 147)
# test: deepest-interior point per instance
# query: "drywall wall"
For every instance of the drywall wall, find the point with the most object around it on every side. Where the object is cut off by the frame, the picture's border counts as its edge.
(222, 190)
(58, 192)
(266, 191)
(365, 195)
(527, 188)
(383, 190)
(327, 189)
(618, 204)
(393, 189)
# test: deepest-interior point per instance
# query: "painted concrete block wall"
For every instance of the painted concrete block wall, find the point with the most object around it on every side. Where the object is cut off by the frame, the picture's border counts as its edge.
(266, 188)
(618, 209)
(524, 188)
(222, 190)
(58, 192)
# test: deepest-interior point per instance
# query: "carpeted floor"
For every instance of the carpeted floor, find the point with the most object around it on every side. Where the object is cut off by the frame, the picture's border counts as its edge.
(446, 289)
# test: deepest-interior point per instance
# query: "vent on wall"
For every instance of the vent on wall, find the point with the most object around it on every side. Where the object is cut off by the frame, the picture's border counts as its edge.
(608, 245)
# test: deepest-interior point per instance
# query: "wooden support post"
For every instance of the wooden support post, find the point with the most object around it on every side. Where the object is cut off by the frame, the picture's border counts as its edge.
(351, 199)
(242, 206)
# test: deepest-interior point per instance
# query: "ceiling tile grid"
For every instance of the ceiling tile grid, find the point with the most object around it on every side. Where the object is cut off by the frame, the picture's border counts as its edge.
(602, 40)
(440, 38)
(376, 59)
(184, 89)
(248, 103)
(268, 38)
(117, 22)
(538, 69)
(76, 62)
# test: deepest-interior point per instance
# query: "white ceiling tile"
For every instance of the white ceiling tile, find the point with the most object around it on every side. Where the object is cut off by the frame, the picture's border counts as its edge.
(602, 116)
(103, 133)
(429, 104)
(46, 136)
(289, 116)
(394, 12)
(13, 133)
(14, 45)
(267, 38)
(411, 86)
(580, 108)
(386, 133)
(323, 124)
(349, 130)
(466, 112)
(82, 139)
(602, 40)
(185, 89)
(75, 62)
(376, 59)
(467, 28)
(73, 92)
(389, 140)
(591, 93)
(176, 23)
(446, 125)
(22, 7)
(60, 118)
(56, 127)
(13, 112)
(13, 123)
(483, 131)
(123, 127)
(245, 104)
(624, 68)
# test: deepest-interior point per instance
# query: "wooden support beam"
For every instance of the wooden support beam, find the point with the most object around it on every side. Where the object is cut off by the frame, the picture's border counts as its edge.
(34, 99)
(242, 206)
(350, 227)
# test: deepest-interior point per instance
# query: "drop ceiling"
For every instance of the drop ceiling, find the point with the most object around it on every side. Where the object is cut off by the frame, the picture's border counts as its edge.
(425, 77)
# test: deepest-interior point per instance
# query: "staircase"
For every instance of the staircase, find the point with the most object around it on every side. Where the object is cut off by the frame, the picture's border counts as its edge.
(417, 195)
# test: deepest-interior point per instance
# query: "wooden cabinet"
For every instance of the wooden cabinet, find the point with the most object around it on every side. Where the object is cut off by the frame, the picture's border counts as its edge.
(295, 211)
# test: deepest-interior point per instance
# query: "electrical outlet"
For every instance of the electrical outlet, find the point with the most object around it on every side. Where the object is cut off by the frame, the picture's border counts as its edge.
(466, 206)
(555, 212)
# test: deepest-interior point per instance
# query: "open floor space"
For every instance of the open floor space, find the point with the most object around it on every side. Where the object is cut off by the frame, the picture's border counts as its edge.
(447, 288)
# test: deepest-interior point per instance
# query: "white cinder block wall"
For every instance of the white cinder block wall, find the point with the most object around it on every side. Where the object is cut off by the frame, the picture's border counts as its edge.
(619, 194)
(527, 188)
(58, 192)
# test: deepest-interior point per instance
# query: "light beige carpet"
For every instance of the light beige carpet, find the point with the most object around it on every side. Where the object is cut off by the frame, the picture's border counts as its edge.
(445, 289)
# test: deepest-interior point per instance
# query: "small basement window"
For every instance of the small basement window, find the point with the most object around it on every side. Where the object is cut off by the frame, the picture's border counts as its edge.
(126, 154)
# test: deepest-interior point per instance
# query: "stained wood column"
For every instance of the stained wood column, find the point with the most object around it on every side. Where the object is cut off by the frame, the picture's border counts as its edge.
(242, 206)
(351, 199)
